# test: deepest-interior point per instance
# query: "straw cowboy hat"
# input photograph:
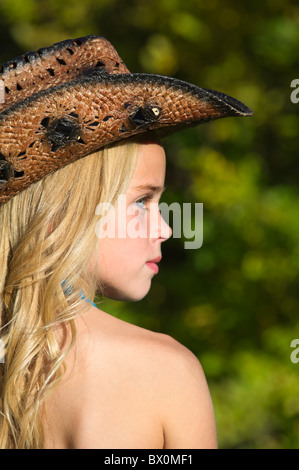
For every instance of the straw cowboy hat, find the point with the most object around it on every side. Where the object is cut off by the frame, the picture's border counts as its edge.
(69, 100)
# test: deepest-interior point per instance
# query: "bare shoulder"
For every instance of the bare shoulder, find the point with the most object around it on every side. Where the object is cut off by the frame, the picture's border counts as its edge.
(128, 387)
(184, 398)
(155, 359)
(155, 350)
(188, 413)
(167, 375)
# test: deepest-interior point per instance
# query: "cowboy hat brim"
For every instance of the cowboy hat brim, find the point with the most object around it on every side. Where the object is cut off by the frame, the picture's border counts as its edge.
(54, 127)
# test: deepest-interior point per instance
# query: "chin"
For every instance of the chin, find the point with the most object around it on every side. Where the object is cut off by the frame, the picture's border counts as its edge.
(126, 296)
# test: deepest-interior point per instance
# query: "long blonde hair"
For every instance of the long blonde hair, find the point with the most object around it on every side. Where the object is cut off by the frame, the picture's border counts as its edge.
(47, 237)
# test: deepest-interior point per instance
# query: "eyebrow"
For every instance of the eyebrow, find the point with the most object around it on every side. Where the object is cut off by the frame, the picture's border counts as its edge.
(150, 187)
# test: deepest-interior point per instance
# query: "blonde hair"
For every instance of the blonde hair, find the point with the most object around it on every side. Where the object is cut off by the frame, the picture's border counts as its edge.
(47, 237)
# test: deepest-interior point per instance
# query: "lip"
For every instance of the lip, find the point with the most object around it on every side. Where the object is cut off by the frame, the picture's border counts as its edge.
(153, 264)
(156, 260)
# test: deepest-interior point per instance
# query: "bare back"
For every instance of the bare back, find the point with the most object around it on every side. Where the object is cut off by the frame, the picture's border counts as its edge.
(127, 387)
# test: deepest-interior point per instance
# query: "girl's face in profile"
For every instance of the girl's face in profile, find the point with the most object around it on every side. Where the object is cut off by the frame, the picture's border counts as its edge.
(124, 261)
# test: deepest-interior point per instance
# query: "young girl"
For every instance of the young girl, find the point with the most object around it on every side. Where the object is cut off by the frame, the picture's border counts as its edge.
(73, 140)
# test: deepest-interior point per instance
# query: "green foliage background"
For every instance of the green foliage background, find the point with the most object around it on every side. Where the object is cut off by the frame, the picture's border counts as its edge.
(234, 302)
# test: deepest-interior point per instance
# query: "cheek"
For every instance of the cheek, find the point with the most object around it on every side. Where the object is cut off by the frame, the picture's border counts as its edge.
(124, 256)
(119, 256)
(137, 226)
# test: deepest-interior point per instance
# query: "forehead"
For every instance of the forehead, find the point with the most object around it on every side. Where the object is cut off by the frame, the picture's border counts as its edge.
(150, 167)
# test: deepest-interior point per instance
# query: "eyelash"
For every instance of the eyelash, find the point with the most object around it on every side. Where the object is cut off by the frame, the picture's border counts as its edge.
(144, 199)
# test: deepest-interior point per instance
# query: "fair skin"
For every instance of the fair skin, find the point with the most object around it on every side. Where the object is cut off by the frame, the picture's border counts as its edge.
(127, 387)
(122, 259)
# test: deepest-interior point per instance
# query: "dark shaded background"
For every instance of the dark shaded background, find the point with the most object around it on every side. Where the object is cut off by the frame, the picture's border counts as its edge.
(234, 302)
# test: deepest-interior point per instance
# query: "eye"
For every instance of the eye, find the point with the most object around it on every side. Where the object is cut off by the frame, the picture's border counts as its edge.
(141, 203)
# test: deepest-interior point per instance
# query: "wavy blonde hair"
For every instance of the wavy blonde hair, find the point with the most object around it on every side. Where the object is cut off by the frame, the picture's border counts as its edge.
(47, 237)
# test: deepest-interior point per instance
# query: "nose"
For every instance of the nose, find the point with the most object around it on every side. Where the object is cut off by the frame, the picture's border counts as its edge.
(165, 229)
(159, 229)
